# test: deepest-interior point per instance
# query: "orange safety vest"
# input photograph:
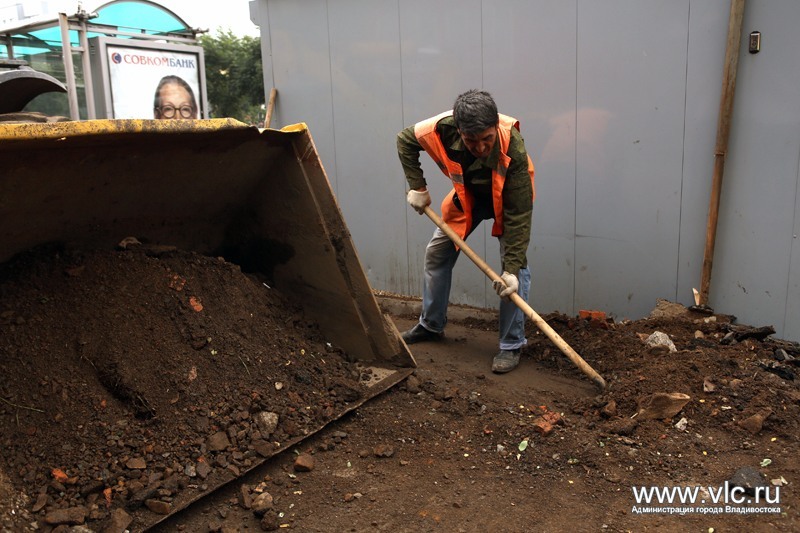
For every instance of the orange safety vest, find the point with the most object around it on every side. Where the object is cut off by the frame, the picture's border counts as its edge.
(461, 221)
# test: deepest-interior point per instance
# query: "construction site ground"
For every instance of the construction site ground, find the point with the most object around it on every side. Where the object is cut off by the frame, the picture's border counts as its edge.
(130, 382)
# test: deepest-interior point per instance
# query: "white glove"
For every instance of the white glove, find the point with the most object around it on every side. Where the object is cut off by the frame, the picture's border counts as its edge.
(507, 287)
(419, 200)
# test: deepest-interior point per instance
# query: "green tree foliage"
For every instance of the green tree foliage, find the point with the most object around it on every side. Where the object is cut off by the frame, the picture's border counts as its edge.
(234, 76)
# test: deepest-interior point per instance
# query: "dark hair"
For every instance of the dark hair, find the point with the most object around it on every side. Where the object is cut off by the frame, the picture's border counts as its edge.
(173, 80)
(474, 111)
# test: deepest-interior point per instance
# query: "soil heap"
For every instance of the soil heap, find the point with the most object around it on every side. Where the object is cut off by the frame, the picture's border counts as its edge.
(135, 380)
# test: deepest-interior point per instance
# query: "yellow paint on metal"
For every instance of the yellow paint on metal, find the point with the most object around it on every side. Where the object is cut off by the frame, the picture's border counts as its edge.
(59, 130)
(300, 126)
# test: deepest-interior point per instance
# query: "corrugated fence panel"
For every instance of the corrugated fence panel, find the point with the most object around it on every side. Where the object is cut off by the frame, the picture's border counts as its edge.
(631, 83)
(618, 102)
(752, 263)
(539, 89)
(441, 57)
(365, 74)
(708, 28)
(301, 71)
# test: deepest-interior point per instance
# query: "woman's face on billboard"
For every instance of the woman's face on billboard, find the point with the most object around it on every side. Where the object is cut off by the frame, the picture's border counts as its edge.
(175, 103)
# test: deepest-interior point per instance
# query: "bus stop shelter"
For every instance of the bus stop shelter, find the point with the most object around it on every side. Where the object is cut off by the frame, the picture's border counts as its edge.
(86, 51)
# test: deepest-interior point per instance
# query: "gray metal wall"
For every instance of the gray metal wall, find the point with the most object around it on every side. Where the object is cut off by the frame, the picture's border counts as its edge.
(618, 102)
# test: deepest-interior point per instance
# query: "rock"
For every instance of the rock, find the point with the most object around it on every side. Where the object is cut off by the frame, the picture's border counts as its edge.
(136, 463)
(267, 423)
(383, 450)
(661, 341)
(158, 506)
(96, 514)
(72, 516)
(141, 495)
(262, 503)
(218, 442)
(621, 426)
(263, 448)
(748, 478)
(269, 522)
(412, 384)
(682, 424)
(782, 355)
(755, 423)
(667, 309)
(245, 500)
(174, 482)
(662, 405)
(709, 385)
(128, 241)
(552, 417)
(609, 410)
(119, 521)
(203, 469)
(304, 463)
(449, 393)
(542, 426)
(779, 370)
(92, 487)
(41, 501)
(741, 333)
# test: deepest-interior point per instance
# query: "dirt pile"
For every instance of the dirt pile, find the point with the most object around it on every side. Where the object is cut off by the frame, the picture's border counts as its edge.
(135, 380)
(132, 381)
(457, 448)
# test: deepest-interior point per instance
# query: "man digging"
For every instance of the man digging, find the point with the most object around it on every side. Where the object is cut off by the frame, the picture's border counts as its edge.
(484, 155)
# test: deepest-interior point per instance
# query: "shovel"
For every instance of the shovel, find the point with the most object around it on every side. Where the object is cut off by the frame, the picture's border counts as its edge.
(543, 326)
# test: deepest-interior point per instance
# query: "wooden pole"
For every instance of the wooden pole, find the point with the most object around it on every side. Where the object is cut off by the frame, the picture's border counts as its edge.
(273, 93)
(721, 147)
(540, 323)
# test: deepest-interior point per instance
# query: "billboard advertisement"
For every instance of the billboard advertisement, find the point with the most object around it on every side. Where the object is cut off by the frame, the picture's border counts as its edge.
(151, 80)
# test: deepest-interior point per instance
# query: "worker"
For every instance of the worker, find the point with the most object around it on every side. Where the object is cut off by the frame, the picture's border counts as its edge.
(484, 155)
(174, 99)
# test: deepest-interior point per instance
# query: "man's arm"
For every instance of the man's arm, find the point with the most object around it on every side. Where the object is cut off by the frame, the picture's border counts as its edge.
(408, 148)
(517, 207)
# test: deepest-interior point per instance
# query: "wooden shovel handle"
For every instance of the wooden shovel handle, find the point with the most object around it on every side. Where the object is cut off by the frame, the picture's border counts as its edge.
(543, 326)
(273, 93)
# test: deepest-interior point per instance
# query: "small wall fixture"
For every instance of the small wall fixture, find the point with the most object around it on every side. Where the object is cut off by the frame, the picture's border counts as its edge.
(755, 42)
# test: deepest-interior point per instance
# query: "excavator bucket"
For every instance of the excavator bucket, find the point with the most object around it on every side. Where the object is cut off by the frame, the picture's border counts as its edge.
(258, 198)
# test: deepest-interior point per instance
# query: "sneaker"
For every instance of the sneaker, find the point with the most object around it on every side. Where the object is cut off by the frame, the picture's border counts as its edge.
(505, 361)
(419, 334)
